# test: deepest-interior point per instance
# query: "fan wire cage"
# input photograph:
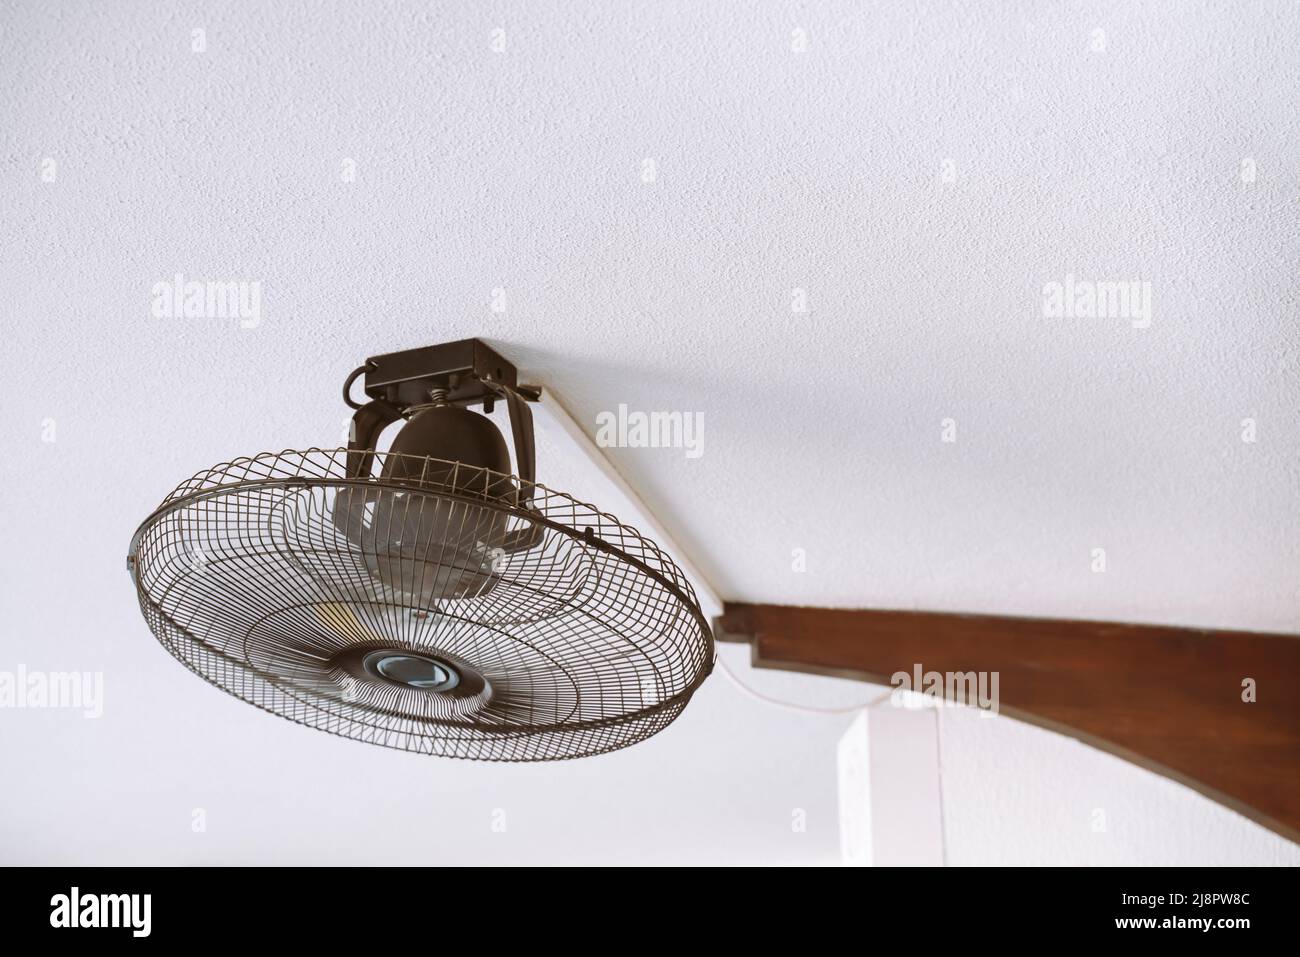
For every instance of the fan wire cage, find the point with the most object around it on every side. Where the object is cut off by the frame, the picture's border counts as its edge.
(475, 616)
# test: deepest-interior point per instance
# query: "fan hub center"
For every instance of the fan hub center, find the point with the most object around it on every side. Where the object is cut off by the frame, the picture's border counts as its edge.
(421, 672)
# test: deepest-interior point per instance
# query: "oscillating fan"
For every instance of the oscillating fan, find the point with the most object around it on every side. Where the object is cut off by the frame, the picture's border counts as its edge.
(425, 598)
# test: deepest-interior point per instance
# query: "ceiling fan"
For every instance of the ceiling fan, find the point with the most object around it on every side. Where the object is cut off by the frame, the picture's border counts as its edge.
(433, 599)
(429, 598)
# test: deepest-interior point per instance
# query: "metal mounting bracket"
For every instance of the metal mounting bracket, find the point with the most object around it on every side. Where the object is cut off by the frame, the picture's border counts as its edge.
(467, 372)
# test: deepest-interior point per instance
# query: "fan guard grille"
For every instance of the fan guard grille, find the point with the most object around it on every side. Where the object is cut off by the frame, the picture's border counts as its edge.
(278, 578)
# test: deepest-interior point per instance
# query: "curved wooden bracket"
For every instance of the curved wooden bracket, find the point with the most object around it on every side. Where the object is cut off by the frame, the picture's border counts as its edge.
(1218, 711)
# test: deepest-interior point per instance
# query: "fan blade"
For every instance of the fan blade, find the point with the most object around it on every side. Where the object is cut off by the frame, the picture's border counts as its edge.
(1169, 699)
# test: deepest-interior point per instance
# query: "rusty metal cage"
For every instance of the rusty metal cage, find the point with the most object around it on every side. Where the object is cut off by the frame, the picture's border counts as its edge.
(469, 615)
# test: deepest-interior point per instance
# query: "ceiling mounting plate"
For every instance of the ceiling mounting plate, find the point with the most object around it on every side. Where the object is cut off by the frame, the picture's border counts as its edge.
(463, 369)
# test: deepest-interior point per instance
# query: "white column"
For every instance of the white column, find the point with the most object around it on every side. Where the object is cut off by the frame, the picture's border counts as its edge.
(890, 808)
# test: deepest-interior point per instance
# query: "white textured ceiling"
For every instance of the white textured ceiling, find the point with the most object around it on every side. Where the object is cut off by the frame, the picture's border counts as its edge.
(775, 170)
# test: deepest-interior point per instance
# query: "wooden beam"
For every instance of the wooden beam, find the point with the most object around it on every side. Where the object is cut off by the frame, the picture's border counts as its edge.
(1168, 699)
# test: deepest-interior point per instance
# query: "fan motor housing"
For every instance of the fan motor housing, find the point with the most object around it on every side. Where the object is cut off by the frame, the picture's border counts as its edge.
(450, 433)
